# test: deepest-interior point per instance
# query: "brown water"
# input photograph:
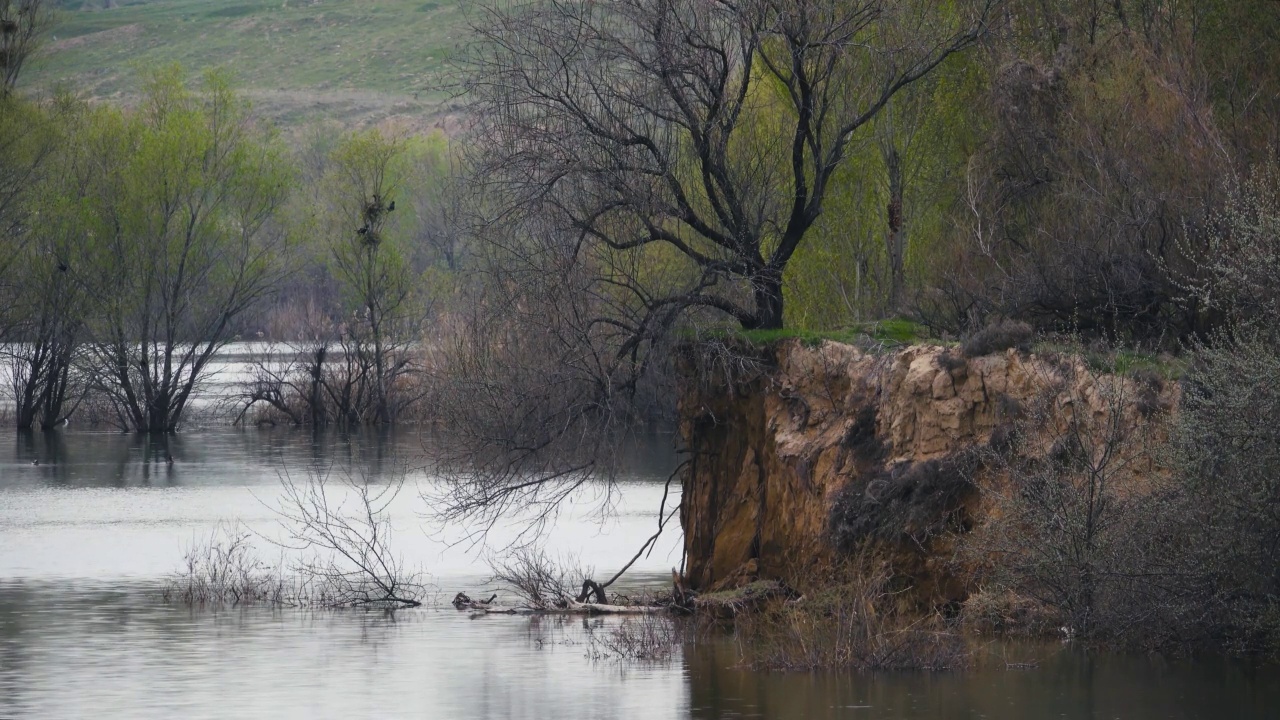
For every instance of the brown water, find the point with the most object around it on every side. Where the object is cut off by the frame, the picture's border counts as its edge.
(87, 534)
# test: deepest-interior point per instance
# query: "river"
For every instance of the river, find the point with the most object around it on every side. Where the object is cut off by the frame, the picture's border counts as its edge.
(88, 533)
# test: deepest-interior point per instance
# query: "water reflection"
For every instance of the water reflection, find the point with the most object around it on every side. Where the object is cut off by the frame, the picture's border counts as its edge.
(90, 529)
(87, 653)
(75, 458)
(1067, 683)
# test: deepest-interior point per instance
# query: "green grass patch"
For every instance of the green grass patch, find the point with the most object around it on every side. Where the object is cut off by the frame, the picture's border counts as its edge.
(1119, 361)
(354, 61)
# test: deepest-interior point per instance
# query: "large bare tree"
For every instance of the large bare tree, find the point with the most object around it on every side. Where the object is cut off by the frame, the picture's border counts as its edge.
(647, 164)
(711, 128)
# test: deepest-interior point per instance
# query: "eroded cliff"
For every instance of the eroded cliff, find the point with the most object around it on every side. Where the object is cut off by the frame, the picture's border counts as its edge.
(800, 453)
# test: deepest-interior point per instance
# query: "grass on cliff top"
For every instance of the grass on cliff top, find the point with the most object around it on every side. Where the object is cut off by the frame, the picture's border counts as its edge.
(1119, 360)
(896, 331)
(355, 61)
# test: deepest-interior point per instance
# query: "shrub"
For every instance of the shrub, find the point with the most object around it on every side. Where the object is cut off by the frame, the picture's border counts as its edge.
(908, 501)
(225, 568)
(948, 362)
(860, 624)
(998, 337)
(647, 637)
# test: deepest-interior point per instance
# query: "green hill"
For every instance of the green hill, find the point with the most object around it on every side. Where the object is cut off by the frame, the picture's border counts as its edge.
(354, 61)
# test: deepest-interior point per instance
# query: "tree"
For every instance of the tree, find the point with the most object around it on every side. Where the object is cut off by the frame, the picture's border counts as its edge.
(25, 137)
(22, 24)
(42, 303)
(367, 259)
(710, 131)
(645, 166)
(184, 240)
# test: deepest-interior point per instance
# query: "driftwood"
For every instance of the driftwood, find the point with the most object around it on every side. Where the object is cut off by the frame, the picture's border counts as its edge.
(572, 608)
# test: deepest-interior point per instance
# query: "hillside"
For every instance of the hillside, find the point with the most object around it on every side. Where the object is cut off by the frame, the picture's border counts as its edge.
(354, 61)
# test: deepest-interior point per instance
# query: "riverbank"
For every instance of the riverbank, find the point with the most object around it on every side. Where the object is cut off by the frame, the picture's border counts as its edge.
(1004, 489)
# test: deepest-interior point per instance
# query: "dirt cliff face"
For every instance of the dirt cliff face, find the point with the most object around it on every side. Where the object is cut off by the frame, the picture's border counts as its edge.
(779, 445)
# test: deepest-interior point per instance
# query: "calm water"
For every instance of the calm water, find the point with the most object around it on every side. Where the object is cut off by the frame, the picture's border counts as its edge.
(87, 534)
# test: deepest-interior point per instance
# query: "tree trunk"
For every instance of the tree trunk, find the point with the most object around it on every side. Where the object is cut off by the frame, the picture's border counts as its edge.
(316, 398)
(896, 239)
(768, 300)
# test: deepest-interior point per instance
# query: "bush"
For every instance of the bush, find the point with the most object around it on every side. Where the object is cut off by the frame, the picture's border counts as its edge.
(646, 637)
(910, 501)
(998, 337)
(225, 568)
(861, 624)
(948, 362)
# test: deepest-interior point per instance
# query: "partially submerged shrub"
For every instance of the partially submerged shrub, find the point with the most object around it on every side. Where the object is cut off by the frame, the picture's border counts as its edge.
(225, 568)
(539, 580)
(997, 337)
(648, 637)
(1067, 488)
(1003, 611)
(346, 558)
(861, 624)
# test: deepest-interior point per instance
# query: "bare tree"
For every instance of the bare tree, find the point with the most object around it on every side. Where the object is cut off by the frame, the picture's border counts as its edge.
(22, 23)
(705, 131)
(646, 164)
(348, 532)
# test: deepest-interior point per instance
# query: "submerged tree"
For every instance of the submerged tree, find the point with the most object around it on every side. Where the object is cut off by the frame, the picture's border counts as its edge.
(367, 257)
(184, 241)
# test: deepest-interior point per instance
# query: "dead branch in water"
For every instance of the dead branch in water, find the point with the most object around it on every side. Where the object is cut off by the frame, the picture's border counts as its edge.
(348, 533)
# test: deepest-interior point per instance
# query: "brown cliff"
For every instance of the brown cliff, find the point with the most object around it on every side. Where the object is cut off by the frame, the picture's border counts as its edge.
(781, 441)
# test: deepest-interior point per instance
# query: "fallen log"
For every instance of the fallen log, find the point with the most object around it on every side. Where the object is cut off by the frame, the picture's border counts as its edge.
(571, 608)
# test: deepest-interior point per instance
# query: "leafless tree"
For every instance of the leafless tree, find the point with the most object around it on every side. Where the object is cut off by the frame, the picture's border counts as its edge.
(704, 133)
(646, 165)
(347, 531)
(22, 25)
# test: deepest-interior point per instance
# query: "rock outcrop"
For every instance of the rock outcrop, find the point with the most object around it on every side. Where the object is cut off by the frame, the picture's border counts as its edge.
(776, 443)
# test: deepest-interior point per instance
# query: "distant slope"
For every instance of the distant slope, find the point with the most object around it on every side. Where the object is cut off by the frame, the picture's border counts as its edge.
(354, 61)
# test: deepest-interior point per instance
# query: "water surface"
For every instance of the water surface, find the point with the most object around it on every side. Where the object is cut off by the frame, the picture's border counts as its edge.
(89, 531)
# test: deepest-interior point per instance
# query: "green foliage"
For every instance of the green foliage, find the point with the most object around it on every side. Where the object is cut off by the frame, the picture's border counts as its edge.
(179, 199)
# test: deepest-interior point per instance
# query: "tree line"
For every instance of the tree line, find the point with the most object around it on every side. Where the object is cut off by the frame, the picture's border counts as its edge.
(140, 242)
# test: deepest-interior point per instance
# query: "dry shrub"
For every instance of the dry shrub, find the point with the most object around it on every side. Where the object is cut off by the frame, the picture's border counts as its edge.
(225, 568)
(647, 638)
(999, 610)
(344, 558)
(997, 337)
(948, 362)
(909, 501)
(1071, 491)
(861, 624)
(539, 580)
